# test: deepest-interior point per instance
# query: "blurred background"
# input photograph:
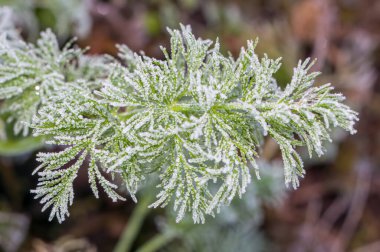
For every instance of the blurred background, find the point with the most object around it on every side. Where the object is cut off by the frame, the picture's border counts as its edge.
(337, 205)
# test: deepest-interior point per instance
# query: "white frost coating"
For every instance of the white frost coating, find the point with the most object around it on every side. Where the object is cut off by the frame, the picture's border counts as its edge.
(44, 68)
(195, 119)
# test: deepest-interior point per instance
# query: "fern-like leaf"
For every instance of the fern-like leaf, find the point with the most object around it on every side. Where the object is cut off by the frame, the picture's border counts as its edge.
(195, 119)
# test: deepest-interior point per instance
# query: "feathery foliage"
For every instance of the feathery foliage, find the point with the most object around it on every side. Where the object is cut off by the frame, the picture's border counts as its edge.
(195, 119)
(31, 74)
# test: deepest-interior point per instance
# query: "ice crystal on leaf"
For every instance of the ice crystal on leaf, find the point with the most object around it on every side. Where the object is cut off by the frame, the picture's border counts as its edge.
(195, 119)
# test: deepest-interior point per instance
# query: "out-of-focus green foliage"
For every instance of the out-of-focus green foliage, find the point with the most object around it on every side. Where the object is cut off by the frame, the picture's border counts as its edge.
(13, 230)
(65, 17)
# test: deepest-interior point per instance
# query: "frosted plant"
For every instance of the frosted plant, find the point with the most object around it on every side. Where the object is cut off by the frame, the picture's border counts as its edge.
(195, 119)
(31, 74)
(84, 125)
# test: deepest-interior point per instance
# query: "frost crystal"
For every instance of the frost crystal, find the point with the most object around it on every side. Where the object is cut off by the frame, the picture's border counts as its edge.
(195, 119)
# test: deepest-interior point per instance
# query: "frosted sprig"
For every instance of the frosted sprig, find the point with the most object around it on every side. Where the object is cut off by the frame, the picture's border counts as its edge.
(31, 74)
(91, 131)
(195, 119)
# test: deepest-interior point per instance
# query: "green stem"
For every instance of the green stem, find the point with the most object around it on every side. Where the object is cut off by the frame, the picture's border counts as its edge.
(157, 242)
(134, 224)
(182, 107)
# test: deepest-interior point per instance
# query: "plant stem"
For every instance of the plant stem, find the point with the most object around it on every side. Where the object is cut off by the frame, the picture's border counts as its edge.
(182, 107)
(157, 241)
(134, 224)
